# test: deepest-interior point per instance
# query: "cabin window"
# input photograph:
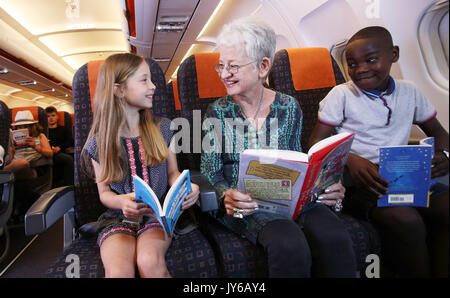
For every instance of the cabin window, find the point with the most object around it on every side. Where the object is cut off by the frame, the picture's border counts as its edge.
(433, 41)
(338, 52)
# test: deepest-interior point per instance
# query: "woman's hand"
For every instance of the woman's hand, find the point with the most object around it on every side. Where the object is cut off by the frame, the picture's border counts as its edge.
(235, 200)
(333, 196)
(131, 209)
(191, 198)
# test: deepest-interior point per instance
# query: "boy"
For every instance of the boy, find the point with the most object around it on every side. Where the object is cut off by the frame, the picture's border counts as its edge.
(60, 139)
(381, 111)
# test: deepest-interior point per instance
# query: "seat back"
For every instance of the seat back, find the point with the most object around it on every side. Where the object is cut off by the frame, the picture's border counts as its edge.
(198, 86)
(65, 120)
(87, 204)
(5, 123)
(172, 93)
(162, 105)
(307, 74)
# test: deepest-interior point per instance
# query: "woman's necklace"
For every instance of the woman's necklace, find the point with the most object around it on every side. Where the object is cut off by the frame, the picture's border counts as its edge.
(257, 109)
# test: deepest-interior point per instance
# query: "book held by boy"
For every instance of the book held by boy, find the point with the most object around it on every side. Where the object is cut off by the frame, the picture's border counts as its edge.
(408, 170)
(283, 181)
(169, 213)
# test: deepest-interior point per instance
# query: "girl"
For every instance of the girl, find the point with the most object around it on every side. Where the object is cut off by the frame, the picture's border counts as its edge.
(125, 140)
(35, 146)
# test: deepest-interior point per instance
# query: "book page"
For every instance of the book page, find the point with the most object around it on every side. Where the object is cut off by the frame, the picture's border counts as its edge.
(326, 142)
(275, 186)
(175, 198)
(20, 136)
(144, 194)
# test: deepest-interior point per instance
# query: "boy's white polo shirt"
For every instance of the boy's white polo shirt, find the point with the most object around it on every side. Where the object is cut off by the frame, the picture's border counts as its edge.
(349, 109)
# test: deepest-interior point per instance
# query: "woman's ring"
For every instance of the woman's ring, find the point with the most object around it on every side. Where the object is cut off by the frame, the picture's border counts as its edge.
(238, 213)
(338, 206)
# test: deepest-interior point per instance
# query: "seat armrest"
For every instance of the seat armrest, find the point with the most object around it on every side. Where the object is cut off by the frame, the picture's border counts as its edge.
(6, 176)
(42, 161)
(6, 195)
(208, 197)
(50, 206)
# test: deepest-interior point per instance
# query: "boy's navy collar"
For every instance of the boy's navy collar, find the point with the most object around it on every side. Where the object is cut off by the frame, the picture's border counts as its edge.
(377, 94)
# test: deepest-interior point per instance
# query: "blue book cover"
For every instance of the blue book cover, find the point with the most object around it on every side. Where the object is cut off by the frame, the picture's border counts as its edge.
(408, 170)
(169, 213)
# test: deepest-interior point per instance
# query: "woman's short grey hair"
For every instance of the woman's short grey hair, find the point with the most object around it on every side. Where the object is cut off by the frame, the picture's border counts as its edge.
(257, 38)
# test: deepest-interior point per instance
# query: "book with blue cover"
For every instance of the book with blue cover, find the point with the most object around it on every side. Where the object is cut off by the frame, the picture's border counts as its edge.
(408, 170)
(169, 213)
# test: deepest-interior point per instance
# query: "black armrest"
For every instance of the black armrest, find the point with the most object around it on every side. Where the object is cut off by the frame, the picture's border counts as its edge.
(6, 176)
(50, 206)
(208, 197)
(42, 161)
(6, 195)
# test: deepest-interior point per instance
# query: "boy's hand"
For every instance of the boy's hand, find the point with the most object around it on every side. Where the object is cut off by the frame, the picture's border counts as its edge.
(439, 165)
(366, 173)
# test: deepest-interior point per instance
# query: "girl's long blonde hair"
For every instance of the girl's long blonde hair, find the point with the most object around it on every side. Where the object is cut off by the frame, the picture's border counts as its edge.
(109, 118)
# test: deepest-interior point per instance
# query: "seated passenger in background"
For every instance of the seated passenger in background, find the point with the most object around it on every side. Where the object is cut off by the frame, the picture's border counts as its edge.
(381, 111)
(60, 140)
(317, 241)
(34, 147)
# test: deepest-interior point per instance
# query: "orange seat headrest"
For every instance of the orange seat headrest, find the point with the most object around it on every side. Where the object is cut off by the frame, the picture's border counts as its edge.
(311, 68)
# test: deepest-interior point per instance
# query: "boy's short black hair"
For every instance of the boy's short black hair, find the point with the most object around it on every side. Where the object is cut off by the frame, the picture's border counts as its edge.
(373, 32)
(51, 109)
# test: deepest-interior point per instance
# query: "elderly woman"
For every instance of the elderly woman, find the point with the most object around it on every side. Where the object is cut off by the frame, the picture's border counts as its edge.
(317, 242)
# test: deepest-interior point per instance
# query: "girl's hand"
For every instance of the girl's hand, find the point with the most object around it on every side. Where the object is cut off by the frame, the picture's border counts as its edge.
(30, 142)
(235, 201)
(131, 209)
(191, 198)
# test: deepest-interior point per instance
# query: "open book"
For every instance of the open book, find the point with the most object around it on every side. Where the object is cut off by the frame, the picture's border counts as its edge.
(19, 136)
(408, 170)
(283, 181)
(169, 213)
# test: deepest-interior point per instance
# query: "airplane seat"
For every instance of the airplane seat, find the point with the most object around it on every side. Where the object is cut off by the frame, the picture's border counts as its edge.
(172, 91)
(28, 191)
(308, 74)
(59, 170)
(162, 105)
(198, 86)
(189, 255)
(6, 180)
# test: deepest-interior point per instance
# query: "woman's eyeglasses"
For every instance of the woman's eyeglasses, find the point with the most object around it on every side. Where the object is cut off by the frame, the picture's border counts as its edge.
(231, 68)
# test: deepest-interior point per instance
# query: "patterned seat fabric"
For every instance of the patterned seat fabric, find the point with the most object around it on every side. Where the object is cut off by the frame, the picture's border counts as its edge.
(309, 79)
(5, 123)
(189, 255)
(162, 105)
